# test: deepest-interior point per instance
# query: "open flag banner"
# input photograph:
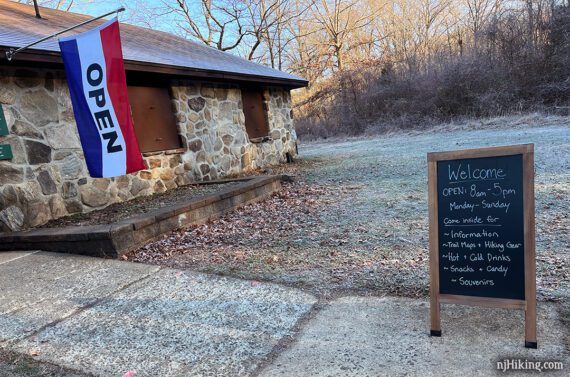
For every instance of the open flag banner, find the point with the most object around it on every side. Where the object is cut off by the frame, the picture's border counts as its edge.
(96, 77)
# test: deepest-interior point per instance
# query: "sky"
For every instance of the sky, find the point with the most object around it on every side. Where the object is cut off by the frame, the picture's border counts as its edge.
(136, 12)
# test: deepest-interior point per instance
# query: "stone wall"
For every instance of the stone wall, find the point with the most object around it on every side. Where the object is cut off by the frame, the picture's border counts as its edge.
(48, 178)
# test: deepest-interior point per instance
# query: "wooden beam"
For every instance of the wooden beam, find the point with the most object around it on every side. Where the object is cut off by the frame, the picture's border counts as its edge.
(529, 249)
(433, 251)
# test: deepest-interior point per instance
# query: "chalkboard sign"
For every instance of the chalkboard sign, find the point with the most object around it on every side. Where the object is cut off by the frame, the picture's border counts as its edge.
(482, 230)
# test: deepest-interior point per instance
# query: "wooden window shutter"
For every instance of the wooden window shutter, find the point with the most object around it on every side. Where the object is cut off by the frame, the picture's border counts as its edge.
(255, 112)
(155, 124)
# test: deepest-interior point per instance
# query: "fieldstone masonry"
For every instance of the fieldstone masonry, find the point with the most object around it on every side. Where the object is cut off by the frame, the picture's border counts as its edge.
(48, 178)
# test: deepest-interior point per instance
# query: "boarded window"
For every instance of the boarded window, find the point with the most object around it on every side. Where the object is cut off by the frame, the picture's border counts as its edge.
(255, 113)
(153, 117)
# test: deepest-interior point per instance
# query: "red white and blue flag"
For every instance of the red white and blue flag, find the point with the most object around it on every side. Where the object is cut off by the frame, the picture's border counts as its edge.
(96, 77)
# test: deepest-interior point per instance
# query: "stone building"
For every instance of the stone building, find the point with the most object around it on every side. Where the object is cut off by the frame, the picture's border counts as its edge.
(199, 114)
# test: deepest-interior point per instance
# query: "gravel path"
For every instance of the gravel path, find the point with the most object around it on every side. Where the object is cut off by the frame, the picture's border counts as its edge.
(356, 219)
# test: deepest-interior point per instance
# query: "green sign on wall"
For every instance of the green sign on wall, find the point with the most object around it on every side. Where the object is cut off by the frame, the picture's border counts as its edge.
(3, 125)
(6, 152)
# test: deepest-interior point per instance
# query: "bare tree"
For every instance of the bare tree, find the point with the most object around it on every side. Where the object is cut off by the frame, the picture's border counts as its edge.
(217, 23)
(338, 20)
(303, 50)
(262, 18)
(65, 5)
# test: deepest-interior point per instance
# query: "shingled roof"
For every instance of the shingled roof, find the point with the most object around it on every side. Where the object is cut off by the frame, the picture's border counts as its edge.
(144, 50)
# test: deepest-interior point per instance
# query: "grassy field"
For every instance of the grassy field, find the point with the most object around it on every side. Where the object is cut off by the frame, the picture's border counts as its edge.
(356, 218)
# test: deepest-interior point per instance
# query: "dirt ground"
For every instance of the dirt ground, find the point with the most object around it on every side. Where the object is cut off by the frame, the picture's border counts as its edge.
(16, 365)
(355, 220)
(124, 210)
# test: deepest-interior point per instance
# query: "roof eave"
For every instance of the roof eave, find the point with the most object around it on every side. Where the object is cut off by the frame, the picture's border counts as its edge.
(54, 59)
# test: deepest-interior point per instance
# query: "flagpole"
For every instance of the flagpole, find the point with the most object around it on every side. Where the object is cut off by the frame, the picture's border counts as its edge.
(10, 53)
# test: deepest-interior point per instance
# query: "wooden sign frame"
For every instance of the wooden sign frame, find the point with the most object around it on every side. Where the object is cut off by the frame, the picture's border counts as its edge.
(529, 303)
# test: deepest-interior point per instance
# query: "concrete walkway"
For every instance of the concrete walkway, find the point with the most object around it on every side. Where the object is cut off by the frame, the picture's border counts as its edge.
(371, 336)
(107, 317)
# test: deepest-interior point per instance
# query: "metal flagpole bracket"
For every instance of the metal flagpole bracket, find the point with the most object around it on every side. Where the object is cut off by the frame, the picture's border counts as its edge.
(11, 52)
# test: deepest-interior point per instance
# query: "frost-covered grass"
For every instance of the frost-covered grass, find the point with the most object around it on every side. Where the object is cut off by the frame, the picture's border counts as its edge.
(356, 220)
(392, 171)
